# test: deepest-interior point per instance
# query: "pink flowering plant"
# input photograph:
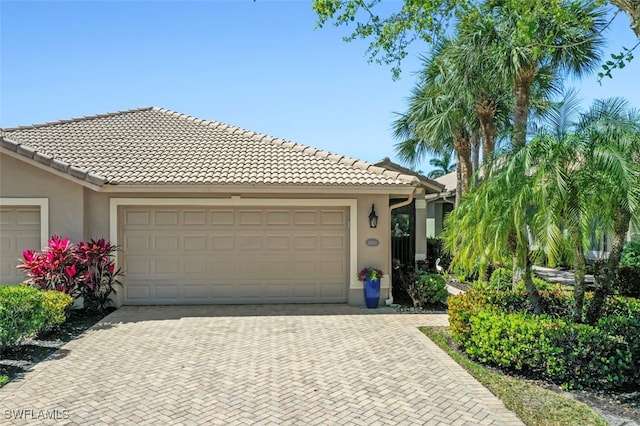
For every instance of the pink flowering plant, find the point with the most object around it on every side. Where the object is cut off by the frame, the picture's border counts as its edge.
(86, 269)
(370, 273)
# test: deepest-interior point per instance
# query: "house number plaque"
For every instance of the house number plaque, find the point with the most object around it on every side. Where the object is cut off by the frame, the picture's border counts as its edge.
(372, 242)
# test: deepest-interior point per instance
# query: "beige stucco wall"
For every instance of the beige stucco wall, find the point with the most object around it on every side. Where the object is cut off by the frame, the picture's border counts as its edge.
(21, 180)
(378, 256)
(81, 213)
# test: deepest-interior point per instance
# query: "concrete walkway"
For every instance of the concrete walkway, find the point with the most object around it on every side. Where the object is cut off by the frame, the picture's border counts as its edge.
(557, 276)
(278, 364)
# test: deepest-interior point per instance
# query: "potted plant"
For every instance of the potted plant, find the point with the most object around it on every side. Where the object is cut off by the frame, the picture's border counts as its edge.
(371, 278)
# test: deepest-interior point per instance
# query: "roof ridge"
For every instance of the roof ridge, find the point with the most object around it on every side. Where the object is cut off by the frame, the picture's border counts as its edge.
(298, 147)
(76, 119)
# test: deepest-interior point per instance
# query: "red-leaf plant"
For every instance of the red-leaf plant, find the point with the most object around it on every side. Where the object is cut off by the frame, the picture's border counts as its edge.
(85, 269)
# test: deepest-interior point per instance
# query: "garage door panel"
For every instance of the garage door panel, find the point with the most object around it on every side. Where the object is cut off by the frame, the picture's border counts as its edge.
(333, 218)
(136, 240)
(19, 230)
(278, 242)
(225, 267)
(332, 289)
(165, 243)
(141, 292)
(277, 290)
(196, 291)
(305, 218)
(28, 217)
(194, 217)
(196, 265)
(224, 217)
(223, 242)
(223, 291)
(164, 291)
(250, 218)
(275, 218)
(235, 255)
(163, 218)
(305, 267)
(305, 242)
(333, 242)
(332, 267)
(194, 242)
(167, 267)
(137, 217)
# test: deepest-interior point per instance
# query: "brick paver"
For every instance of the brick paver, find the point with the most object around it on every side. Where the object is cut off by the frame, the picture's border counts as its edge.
(278, 364)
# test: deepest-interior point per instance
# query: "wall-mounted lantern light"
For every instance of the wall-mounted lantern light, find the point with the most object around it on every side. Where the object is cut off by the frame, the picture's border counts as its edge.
(373, 217)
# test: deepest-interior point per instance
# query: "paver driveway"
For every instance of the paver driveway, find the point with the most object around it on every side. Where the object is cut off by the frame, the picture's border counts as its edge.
(282, 364)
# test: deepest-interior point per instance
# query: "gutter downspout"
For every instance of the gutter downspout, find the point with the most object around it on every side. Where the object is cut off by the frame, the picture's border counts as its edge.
(408, 201)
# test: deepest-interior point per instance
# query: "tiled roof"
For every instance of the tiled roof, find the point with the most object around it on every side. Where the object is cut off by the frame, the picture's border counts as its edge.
(430, 184)
(450, 181)
(158, 146)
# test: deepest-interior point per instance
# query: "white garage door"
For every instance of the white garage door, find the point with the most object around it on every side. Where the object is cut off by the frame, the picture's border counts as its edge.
(234, 255)
(19, 230)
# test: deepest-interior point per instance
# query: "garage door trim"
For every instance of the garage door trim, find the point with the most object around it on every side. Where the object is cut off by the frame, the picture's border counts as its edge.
(235, 201)
(43, 203)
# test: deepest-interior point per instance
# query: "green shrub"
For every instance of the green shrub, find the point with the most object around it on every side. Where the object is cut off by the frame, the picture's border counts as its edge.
(54, 304)
(628, 281)
(555, 303)
(24, 311)
(631, 254)
(514, 340)
(540, 284)
(426, 288)
(433, 287)
(501, 279)
(499, 328)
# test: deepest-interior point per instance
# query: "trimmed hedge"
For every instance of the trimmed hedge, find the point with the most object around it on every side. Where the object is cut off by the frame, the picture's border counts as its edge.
(499, 329)
(24, 311)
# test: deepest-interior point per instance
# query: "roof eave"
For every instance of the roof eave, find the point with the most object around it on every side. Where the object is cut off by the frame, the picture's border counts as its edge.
(51, 164)
(255, 188)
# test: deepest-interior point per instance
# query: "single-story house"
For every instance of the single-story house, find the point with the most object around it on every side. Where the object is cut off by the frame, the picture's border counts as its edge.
(412, 221)
(440, 205)
(203, 212)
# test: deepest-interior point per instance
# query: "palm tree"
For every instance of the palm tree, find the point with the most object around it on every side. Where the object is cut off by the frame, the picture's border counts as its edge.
(583, 173)
(438, 118)
(443, 165)
(568, 45)
(611, 131)
(491, 222)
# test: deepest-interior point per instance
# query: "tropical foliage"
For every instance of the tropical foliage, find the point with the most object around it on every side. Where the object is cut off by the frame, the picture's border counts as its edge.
(86, 269)
(442, 165)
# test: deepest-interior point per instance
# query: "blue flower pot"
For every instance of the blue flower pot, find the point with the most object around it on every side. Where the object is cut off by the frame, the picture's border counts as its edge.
(371, 292)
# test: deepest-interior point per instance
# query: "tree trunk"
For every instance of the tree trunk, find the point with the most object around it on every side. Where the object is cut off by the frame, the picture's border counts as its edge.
(522, 93)
(475, 152)
(458, 180)
(462, 144)
(512, 242)
(532, 291)
(607, 275)
(631, 8)
(579, 266)
(485, 109)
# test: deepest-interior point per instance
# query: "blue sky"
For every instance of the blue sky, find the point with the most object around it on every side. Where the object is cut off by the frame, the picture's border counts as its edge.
(258, 65)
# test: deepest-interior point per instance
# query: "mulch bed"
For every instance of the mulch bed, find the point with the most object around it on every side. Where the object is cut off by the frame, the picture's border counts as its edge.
(18, 359)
